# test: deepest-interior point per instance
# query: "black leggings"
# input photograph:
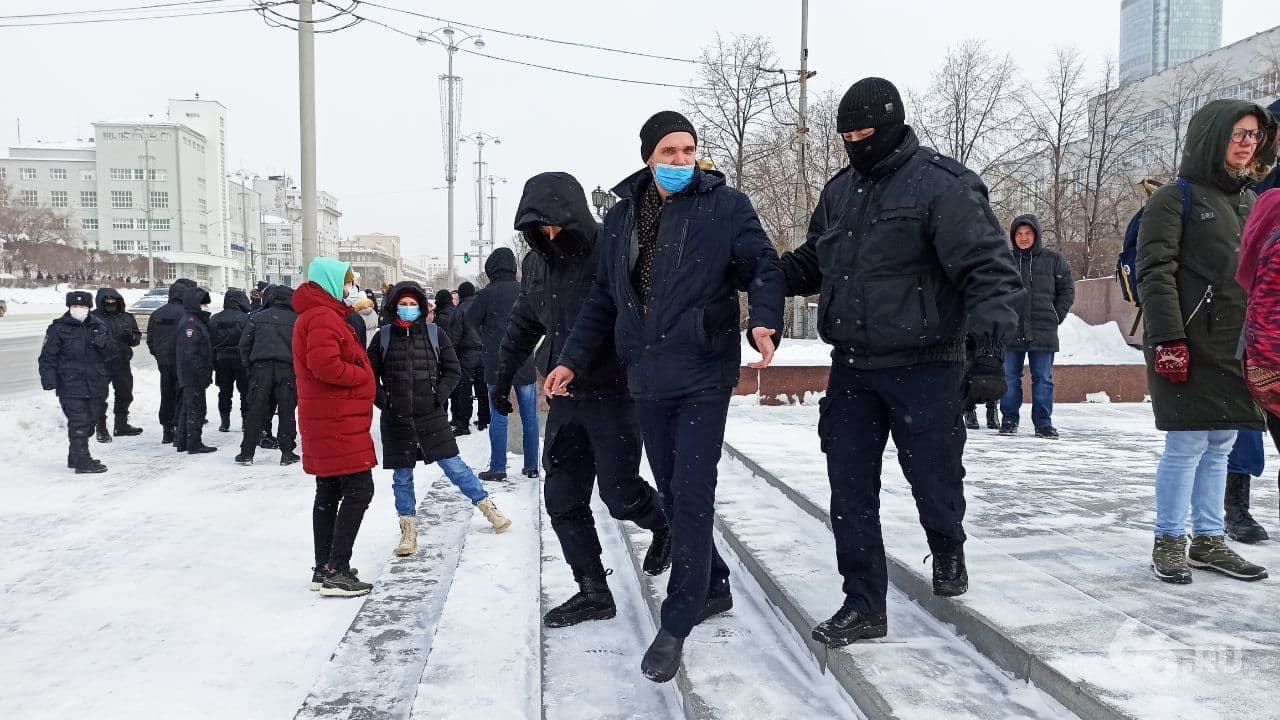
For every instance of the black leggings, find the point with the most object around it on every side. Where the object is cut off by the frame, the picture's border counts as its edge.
(336, 516)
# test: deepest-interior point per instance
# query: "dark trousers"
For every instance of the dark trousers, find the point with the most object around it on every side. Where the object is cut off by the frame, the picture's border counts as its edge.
(188, 430)
(230, 376)
(460, 401)
(168, 394)
(590, 440)
(271, 385)
(336, 516)
(683, 438)
(480, 390)
(82, 415)
(920, 405)
(122, 390)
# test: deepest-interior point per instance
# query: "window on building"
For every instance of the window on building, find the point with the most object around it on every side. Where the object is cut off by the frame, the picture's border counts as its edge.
(159, 199)
(87, 176)
(161, 246)
(29, 198)
(273, 247)
(204, 229)
(121, 174)
(58, 198)
(171, 272)
(160, 223)
(286, 232)
(286, 247)
(121, 199)
(89, 223)
(122, 223)
(57, 173)
(28, 173)
(123, 245)
(62, 223)
(4, 172)
(204, 206)
(89, 198)
(160, 175)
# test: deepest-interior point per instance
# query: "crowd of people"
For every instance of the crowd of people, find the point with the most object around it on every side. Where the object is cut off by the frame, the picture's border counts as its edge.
(930, 306)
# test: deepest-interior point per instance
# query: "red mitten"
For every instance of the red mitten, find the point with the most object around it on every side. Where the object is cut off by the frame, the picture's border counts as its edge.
(1173, 360)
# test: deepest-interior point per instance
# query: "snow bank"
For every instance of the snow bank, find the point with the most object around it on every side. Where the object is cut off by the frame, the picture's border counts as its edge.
(52, 300)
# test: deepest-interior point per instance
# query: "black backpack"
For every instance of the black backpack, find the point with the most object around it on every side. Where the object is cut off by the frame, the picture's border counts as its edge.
(1127, 263)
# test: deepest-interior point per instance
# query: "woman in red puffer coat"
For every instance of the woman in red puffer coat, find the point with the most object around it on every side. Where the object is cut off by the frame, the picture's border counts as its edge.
(336, 390)
(1259, 275)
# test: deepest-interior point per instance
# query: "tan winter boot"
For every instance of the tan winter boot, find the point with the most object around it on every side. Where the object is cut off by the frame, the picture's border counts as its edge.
(408, 537)
(493, 515)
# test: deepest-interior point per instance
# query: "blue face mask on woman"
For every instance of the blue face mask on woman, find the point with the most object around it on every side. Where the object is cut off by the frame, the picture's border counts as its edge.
(673, 178)
(408, 313)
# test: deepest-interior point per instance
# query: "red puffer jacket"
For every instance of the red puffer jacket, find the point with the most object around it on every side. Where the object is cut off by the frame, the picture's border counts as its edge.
(335, 387)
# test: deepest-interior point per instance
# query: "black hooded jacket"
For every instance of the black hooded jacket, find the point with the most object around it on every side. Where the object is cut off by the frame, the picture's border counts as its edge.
(268, 333)
(558, 275)
(123, 326)
(162, 326)
(463, 335)
(77, 357)
(1273, 180)
(227, 327)
(492, 311)
(1050, 291)
(192, 348)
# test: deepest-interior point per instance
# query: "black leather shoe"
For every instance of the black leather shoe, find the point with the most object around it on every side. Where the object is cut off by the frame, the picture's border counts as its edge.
(715, 606)
(288, 457)
(971, 419)
(658, 557)
(848, 626)
(950, 576)
(201, 449)
(167, 438)
(662, 659)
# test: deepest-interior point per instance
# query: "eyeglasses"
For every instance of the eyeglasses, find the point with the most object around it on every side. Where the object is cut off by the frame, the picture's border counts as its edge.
(1239, 136)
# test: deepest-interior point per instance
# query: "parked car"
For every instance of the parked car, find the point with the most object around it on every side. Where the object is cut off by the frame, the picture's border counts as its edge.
(147, 304)
(4, 308)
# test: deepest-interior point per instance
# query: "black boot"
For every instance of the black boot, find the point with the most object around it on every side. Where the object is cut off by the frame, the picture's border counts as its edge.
(993, 418)
(950, 576)
(848, 626)
(88, 466)
(103, 435)
(662, 659)
(971, 419)
(167, 438)
(716, 605)
(267, 442)
(1241, 526)
(593, 601)
(199, 448)
(124, 429)
(658, 558)
(225, 424)
(288, 457)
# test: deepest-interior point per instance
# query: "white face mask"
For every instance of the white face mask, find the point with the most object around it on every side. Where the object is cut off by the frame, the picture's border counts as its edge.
(349, 290)
(366, 312)
(79, 313)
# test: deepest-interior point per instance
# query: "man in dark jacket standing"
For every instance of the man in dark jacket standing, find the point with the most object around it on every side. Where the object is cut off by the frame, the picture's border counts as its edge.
(162, 336)
(474, 374)
(490, 314)
(675, 252)
(194, 364)
(592, 433)
(125, 333)
(266, 349)
(466, 343)
(225, 329)
(908, 259)
(1049, 294)
(76, 361)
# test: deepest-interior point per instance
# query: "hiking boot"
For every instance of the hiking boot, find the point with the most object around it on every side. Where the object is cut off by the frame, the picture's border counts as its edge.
(408, 537)
(461, 430)
(225, 424)
(124, 429)
(103, 435)
(288, 457)
(244, 459)
(317, 576)
(593, 601)
(848, 626)
(716, 605)
(1210, 552)
(267, 442)
(343, 583)
(950, 576)
(493, 475)
(1169, 559)
(1009, 429)
(200, 449)
(1241, 526)
(495, 517)
(482, 426)
(971, 419)
(658, 558)
(662, 659)
(167, 437)
(1048, 432)
(531, 473)
(993, 419)
(89, 466)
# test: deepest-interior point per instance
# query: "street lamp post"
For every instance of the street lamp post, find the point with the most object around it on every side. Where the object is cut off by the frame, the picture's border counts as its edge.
(245, 177)
(451, 45)
(480, 138)
(493, 220)
(603, 201)
(146, 164)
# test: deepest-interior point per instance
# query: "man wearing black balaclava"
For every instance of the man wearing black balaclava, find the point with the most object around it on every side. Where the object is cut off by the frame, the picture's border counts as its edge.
(908, 260)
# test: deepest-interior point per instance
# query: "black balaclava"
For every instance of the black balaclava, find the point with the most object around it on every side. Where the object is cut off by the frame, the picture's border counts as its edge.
(872, 103)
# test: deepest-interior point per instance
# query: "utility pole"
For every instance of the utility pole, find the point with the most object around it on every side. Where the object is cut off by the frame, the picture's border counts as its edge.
(146, 164)
(493, 218)
(307, 124)
(804, 195)
(480, 138)
(244, 230)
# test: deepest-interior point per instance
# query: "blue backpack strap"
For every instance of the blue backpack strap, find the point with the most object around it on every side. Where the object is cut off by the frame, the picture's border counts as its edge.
(433, 334)
(1185, 187)
(384, 339)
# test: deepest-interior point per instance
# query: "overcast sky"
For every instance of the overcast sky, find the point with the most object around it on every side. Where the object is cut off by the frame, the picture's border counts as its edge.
(378, 98)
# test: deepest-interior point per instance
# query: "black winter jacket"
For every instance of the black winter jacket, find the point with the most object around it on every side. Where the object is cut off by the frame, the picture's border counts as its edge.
(413, 387)
(464, 338)
(1049, 291)
(123, 326)
(77, 357)
(193, 349)
(558, 276)
(710, 247)
(907, 260)
(492, 311)
(162, 326)
(227, 327)
(268, 333)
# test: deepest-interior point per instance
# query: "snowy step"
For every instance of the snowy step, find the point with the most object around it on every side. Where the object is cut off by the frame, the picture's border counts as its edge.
(921, 670)
(374, 673)
(748, 663)
(484, 661)
(591, 671)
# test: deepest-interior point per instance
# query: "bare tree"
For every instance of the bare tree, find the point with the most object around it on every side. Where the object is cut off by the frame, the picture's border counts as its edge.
(35, 224)
(1192, 85)
(1056, 116)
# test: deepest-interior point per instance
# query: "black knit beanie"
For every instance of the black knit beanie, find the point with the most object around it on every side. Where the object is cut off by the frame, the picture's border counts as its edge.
(444, 299)
(870, 103)
(79, 297)
(660, 126)
(466, 290)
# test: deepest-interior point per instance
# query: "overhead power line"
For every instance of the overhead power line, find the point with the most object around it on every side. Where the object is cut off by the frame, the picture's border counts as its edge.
(90, 21)
(101, 11)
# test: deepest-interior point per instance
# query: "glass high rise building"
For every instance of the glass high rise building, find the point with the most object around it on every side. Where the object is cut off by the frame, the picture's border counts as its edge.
(1155, 35)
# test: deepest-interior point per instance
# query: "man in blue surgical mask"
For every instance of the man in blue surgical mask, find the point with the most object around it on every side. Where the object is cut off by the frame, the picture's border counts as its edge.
(674, 253)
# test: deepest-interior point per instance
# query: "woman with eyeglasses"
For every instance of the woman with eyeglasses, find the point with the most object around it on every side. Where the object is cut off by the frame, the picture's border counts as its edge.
(1193, 317)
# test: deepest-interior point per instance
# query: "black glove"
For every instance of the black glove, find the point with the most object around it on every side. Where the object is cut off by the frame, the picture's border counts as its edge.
(984, 380)
(501, 399)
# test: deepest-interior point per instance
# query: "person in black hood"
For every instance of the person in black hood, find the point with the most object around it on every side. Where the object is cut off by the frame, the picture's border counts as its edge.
(474, 373)
(1272, 181)
(194, 365)
(467, 345)
(910, 264)
(1049, 294)
(162, 336)
(490, 314)
(592, 434)
(124, 331)
(256, 295)
(266, 350)
(226, 328)
(76, 361)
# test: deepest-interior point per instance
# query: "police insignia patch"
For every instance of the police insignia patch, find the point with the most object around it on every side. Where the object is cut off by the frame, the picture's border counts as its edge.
(190, 332)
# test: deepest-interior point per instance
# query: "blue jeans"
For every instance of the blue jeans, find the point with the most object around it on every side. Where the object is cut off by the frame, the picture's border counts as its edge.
(1246, 456)
(454, 468)
(1041, 387)
(1192, 472)
(527, 399)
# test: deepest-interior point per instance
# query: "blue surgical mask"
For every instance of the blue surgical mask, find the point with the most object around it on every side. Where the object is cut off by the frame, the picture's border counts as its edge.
(674, 178)
(408, 313)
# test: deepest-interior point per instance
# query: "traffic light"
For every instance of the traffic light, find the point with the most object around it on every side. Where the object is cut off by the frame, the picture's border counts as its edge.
(466, 257)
